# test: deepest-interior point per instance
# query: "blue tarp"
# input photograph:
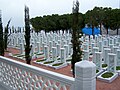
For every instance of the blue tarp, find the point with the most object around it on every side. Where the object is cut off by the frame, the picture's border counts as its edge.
(88, 31)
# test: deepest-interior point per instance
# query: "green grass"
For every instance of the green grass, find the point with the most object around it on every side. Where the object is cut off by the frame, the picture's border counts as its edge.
(97, 71)
(16, 54)
(39, 54)
(117, 67)
(48, 62)
(20, 55)
(68, 60)
(40, 60)
(104, 65)
(7, 51)
(57, 64)
(58, 59)
(107, 75)
(90, 53)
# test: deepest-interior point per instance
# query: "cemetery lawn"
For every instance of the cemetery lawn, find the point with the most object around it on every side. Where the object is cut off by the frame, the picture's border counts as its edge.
(100, 85)
(107, 75)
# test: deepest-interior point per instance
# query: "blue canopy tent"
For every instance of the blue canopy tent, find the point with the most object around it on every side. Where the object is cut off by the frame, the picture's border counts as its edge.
(88, 31)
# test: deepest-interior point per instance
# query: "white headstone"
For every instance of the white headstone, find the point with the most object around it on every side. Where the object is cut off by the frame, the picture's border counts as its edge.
(21, 48)
(115, 49)
(98, 58)
(67, 51)
(46, 53)
(112, 62)
(118, 57)
(58, 49)
(38, 47)
(95, 49)
(63, 55)
(85, 55)
(54, 53)
(105, 55)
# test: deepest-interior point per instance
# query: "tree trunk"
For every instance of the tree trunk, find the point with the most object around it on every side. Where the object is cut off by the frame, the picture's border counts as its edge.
(1, 37)
(100, 28)
(107, 30)
(28, 60)
(93, 30)
(117, 31)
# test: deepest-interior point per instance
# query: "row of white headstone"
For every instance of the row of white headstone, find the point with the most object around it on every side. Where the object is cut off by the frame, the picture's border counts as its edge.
(105, 50)
(59, 44)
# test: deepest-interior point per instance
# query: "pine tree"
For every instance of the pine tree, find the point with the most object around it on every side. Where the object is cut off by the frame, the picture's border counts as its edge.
(27, 36)
(6, 35)
(1, 37)
(76, 57)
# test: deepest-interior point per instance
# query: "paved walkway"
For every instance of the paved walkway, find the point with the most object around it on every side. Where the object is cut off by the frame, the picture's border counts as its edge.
(100, 85)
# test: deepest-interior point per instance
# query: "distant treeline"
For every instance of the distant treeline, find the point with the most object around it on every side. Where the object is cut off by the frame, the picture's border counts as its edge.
(108, 17)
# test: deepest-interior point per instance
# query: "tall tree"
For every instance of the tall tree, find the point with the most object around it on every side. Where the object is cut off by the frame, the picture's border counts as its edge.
(6, 35)
(77, 53)
(1, 37)
(91, 19)
(106, 20)
(115, 20)
(99, 14)
(27, 36)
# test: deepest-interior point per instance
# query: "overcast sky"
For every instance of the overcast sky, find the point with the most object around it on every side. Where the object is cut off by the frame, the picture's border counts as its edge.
(15, 8)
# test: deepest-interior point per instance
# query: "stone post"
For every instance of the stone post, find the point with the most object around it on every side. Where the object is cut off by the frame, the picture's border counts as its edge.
(85, 75)
(46, 53)
(54, 53)
(85, 55)
(63, 55)
(38, 47)
(21, 48)
(118, 57)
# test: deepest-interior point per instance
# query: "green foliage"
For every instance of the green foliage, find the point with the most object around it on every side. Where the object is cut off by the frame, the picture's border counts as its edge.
(68, 60)
(57, 64)
(55, 22)
(1, 37)
(41, 60)
(48, 62)
(107, 75)
(115, 19)
(6, 35)
(76, 34)
(108, 17)
(97, 71)
(27, 36)
(117, 67)
(104, 65)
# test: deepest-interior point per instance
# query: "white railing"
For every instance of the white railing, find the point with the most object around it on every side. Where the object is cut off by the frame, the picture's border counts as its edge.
(15, 75)
(19, 76)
